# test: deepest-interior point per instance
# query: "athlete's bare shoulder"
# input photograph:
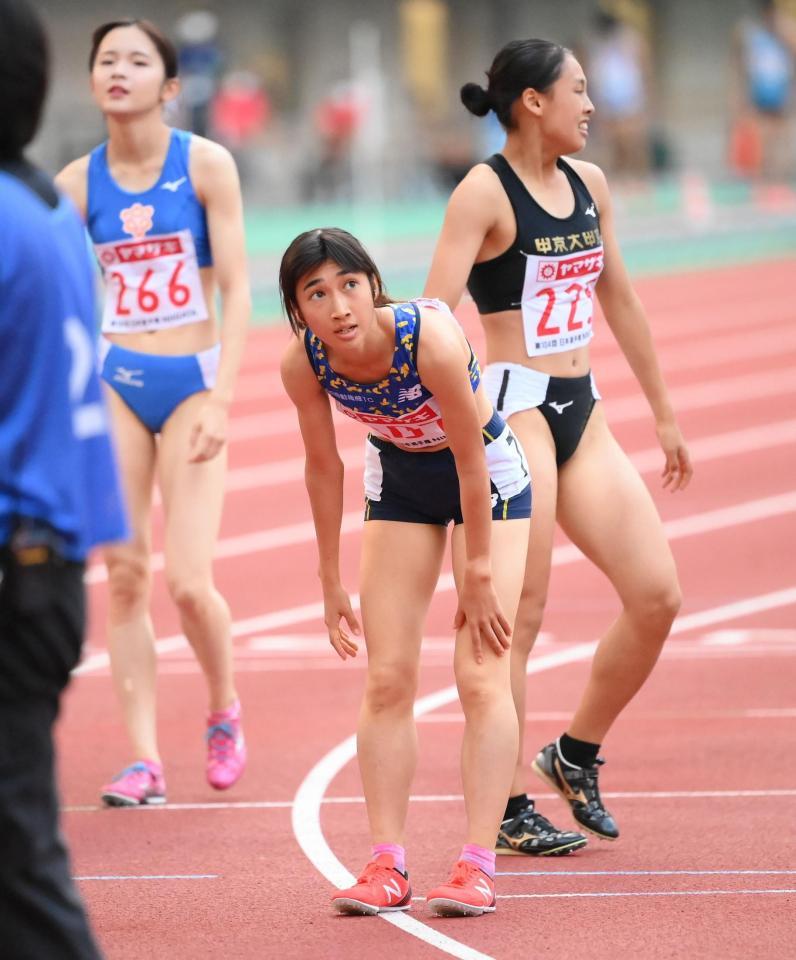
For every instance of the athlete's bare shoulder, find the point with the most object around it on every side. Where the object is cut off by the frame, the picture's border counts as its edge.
(592, 176)
(441, 332)
(482, 181)
(475, 199)
(209, 157)
(73, 181)
(213, 170)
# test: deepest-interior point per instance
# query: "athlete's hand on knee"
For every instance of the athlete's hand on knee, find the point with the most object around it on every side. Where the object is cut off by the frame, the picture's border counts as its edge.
(480, 609)
(209, 432)
(337, 608)
(677, 471)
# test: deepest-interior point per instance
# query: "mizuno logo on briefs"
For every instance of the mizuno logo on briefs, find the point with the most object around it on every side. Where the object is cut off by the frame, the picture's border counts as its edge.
(590, 211)
(174, 185)
(560, 407)
(128, 377)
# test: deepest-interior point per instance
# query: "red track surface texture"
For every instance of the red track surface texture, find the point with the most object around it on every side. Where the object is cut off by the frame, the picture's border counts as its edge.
(701, 772)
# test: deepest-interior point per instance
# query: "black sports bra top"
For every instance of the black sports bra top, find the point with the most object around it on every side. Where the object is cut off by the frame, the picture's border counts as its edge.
(497, 284)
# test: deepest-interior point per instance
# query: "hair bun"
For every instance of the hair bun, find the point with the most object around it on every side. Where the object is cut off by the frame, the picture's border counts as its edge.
(476, 99)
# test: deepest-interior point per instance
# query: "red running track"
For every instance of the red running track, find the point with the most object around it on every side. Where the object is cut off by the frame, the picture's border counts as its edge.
(701, 771)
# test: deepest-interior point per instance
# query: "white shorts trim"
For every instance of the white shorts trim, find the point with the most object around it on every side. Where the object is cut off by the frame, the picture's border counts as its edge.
(527, 387)
(208, 361)
(374, 474)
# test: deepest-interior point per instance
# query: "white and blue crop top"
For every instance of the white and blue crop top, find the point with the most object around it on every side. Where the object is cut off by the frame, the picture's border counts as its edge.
(150, 245)
(398, 408)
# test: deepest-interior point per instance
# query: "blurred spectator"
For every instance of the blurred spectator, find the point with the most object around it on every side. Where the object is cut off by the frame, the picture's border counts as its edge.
(337, 119)
(618, 65)
(200, 63)
(760, 141)
(239, 113)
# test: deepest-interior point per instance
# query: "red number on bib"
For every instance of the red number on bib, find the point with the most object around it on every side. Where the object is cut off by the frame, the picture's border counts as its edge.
(121, 310)
(542, 329)
(148, 300)
(405, 433)
(577, 289)
(179, 293)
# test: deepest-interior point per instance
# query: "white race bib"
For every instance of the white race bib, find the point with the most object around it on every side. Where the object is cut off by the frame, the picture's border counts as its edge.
(152, 283)
(558, 301)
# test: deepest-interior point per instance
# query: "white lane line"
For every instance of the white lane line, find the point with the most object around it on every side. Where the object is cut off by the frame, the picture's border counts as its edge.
(309, 796)
(739, 608)
(702, 450)
(611, 367)
(639, 893)
(645, 873)
(699, 523)
(154, 876)
(703, 395)
(437, 798)
(273, 538)
(754, 713)
(188, 667)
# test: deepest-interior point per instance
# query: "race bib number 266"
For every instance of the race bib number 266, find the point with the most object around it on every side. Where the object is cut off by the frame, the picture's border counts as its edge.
(152, 283)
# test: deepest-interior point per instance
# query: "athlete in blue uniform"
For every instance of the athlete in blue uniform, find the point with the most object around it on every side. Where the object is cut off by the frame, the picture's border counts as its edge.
(761, 88)
(531, 234)
(164, 211)
(437, 452)
(59, 495)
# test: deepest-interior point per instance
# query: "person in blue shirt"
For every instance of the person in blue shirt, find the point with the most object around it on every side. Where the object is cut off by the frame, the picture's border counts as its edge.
(59, 496)
(163, 209)
(437, 453)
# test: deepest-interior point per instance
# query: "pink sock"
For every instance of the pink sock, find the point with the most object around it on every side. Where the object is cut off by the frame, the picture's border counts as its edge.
(232, 712)
(480, 856)
(394, 849)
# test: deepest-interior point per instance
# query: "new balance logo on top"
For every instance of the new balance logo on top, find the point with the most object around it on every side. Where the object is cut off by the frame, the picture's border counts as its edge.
(173, 185)
(560, 407)
(590, 211)
(484, 890)
(413, 393)
(128, 377)
(390, 889)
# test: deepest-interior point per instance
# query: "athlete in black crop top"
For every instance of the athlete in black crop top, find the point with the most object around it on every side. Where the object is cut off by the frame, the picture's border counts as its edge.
(531, 233)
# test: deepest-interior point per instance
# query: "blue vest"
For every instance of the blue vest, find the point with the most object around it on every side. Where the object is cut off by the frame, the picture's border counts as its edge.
(175, 204)
(400, 407)
(401, 391)
(56, 459)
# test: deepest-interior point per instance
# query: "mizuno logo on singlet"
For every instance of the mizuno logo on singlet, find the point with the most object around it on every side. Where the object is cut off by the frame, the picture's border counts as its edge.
(590, 211)
(560, 407)
(173, 185)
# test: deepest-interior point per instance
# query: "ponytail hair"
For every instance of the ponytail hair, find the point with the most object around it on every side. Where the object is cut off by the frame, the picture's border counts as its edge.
(476, 99)
(519, 65)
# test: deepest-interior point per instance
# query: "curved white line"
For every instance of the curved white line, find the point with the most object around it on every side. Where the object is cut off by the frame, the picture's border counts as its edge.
(309, 796)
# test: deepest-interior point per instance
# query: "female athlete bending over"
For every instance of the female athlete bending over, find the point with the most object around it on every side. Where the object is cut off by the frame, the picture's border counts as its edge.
(531, 234)
(164, 211)
(437, 452)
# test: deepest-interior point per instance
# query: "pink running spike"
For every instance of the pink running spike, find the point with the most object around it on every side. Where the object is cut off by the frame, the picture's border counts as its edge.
(140, 783)
(226, 747)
